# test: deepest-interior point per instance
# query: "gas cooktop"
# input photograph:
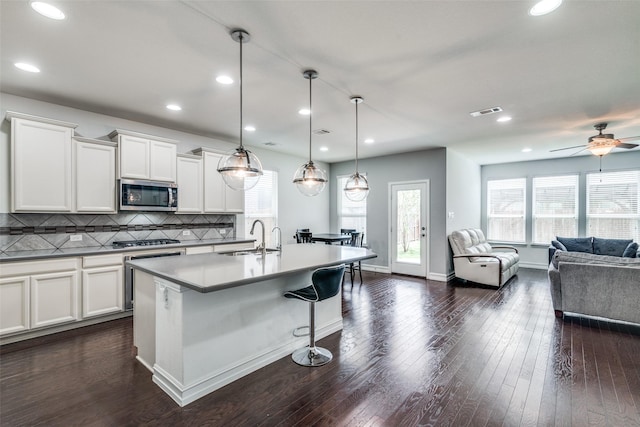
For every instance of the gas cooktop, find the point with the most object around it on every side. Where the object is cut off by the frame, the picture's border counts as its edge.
(149, 242)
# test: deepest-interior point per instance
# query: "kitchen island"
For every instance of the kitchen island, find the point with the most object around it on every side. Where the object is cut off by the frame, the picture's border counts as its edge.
(203, 321)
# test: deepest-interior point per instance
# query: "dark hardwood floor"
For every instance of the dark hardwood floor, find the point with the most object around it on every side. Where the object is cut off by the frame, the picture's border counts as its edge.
(412, 352)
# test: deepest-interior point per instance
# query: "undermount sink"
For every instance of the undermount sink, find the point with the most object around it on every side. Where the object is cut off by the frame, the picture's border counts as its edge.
(247, 252)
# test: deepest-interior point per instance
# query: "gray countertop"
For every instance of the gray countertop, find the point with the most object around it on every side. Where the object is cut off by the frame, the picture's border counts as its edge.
(105, 250)
(213, 272)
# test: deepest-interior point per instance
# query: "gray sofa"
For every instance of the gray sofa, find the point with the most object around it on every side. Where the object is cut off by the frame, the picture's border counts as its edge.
(594, 245)
(595, 285)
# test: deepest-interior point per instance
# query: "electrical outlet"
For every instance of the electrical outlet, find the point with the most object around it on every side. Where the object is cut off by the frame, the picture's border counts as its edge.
(186, 232)
(451, 215)
(76, 238)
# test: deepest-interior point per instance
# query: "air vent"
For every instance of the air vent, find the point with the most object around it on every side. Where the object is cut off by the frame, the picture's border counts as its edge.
(321, 131)
(486, 111)
(270, 144)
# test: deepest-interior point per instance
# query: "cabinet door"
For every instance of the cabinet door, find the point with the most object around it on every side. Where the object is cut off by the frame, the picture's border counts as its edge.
(189, 179)
(14, 305)
(102, 291)
(41, 166)
(214, 187)
(54, 298)
(162, 161)
(95, 177)
(134, 157)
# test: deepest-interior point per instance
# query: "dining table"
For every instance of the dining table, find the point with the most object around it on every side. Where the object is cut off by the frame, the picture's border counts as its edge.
(330, 238)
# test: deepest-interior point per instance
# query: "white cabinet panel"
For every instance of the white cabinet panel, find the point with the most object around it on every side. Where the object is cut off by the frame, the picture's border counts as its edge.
(162, 161)
(218, 198)
(189, 180)
(41, 166)
(102, 291)
(95, 177)
(14, 304)
(134, 157)
(54, 298)
(199, 250)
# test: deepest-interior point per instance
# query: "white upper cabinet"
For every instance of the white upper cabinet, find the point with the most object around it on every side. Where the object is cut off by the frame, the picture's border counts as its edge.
(190, 182)
(94, 175)
(145, 156)
(218, 198)
(40, 164)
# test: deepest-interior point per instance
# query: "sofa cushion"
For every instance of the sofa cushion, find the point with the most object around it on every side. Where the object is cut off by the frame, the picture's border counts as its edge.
(585, 258)
(559, 246)
(631, 250)
(613, 247)
(577, 244)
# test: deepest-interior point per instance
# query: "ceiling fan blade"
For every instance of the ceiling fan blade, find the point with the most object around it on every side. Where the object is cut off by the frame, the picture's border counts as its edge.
(577, 152)
(626, 145)
(630, 138)
(567, 148)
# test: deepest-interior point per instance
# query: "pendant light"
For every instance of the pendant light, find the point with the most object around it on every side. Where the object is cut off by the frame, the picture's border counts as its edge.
(310, 179)
(357, 187)
(240, 168)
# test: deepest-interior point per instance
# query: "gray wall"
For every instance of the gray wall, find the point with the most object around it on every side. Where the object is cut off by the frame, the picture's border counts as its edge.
(536, 255)
(419, 165)
(294, 209)
(463, 195)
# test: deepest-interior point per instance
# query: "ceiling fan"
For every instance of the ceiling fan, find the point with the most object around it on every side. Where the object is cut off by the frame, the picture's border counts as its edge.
(602, 143)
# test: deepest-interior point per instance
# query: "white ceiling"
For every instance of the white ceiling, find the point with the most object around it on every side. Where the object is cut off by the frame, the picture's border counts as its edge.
(421, 67)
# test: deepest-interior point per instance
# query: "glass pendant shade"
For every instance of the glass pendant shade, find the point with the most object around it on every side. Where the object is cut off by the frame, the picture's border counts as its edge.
(310, 179)
(240, 169)
(357, 188)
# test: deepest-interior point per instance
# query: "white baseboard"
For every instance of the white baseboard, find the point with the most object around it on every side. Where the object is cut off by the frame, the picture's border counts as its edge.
(376, 268)
(534, 265)
(438, 277)
(185, 394)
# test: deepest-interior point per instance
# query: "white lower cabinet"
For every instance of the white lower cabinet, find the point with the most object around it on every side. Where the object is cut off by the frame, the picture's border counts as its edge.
(54, 298)
(14, 305)
(102, 285)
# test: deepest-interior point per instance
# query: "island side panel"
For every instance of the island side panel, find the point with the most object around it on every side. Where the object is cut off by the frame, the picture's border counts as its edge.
(227, 334)
(144, 318)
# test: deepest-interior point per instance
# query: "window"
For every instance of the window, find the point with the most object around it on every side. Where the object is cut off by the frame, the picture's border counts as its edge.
(555, 207)
(261, 202)
(613, 208)
(351, 214)
(505, 210)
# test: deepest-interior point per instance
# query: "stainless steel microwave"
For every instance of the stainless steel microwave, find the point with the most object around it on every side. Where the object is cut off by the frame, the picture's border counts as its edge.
(139, 195)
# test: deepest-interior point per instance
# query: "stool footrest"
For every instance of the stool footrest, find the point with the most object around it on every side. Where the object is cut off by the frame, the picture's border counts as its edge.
(296, 332)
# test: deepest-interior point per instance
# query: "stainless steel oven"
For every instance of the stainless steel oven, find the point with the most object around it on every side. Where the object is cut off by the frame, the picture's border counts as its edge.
(138, 195)
(128, 271)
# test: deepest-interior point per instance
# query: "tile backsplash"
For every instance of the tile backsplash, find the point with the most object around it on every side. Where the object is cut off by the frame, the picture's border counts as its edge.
(20, 232)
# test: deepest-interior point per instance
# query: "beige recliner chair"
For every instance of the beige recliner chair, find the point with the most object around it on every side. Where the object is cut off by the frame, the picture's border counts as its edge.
(474, 259)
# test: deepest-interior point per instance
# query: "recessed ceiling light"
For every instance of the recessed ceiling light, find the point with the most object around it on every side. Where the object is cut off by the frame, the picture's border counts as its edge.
(174, 107)
(503, 119)
(304, 111)
(324, 148)
(225, 80)
(526, 150)
(250, 128)
(369, 141)
(544, 6)
(27, 67)
(48, 10)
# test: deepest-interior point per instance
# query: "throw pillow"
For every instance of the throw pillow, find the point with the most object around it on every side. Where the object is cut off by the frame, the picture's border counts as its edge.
(576, 244)
(559, 246)
(631, 250)
(611, 247)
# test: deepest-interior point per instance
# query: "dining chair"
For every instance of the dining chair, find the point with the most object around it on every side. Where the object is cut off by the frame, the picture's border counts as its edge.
(356, 241)
(297, 235)
(304, 237)
(347, 230)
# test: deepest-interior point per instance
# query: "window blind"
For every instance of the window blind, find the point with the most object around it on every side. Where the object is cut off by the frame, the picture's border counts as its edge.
(555, 207)
(351, 215)
(261, 202)
(505, 210)
(613, 207)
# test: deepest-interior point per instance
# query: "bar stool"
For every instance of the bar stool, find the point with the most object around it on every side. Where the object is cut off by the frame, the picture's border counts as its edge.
(325, 283)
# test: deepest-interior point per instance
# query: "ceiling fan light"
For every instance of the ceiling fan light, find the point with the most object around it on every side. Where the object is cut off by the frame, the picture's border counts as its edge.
(357, 188)
(601, 149)
(310, 180)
